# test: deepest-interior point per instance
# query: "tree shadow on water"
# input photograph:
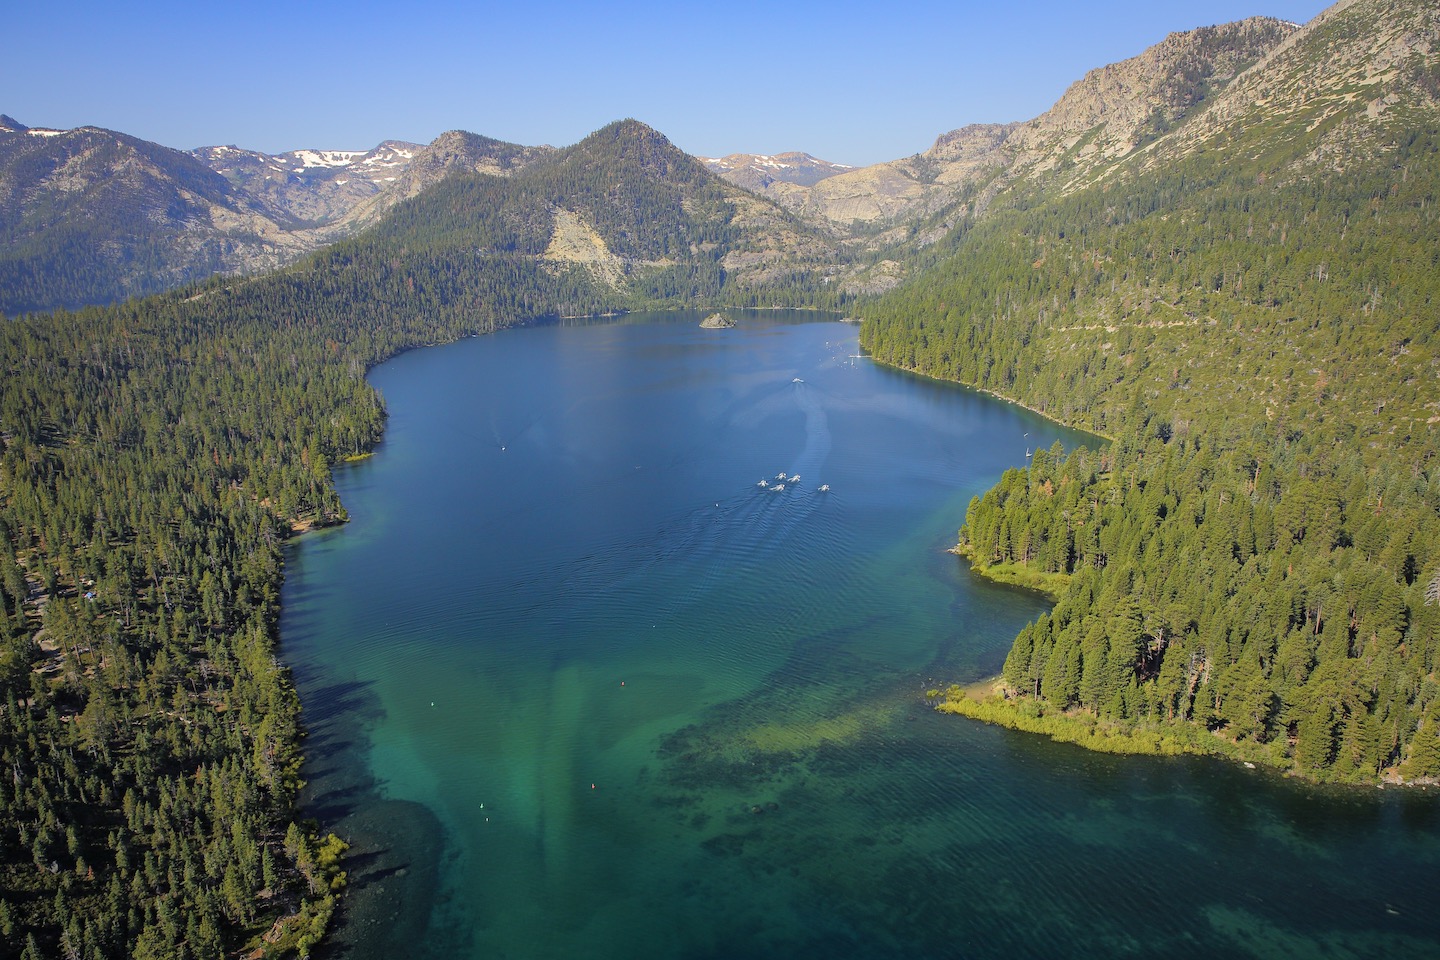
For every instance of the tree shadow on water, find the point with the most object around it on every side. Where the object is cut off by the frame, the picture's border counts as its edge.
(337, 717)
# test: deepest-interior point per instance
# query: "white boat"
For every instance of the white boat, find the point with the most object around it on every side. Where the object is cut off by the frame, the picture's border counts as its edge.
(778, 486)
(824, 488)
(797, 380)
(780, 475)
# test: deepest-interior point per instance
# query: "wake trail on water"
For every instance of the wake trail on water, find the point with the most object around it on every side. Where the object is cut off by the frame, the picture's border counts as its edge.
(689, 556)
(693, 553)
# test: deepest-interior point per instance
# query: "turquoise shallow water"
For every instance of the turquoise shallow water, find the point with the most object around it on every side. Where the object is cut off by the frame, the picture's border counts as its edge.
(580, 686)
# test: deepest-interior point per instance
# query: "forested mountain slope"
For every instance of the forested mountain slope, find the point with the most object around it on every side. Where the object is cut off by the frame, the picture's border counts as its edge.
(1249, 307)
(621, 215)
(451, 151)
(90, 215)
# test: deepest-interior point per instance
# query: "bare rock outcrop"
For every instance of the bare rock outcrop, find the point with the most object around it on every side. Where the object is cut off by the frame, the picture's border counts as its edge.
(1106, 115)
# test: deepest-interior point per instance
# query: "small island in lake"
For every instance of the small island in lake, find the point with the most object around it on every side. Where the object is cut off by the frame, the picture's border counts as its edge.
(717, 321)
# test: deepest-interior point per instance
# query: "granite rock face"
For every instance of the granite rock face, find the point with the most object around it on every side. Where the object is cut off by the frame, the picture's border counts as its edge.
(1106, 115)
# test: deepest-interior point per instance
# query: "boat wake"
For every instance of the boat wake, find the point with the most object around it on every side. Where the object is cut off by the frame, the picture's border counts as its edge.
(692, 554)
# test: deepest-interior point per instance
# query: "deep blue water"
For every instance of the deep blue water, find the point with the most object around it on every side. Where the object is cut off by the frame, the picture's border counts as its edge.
(580, 685)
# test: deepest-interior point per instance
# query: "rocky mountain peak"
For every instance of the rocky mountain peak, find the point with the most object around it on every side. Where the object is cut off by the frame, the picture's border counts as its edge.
(1114, 109)
(1103, 117)
(970, 142)
(461, 150)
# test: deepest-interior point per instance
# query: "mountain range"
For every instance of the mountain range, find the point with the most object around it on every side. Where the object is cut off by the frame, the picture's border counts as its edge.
(90, 215)
(311, 186)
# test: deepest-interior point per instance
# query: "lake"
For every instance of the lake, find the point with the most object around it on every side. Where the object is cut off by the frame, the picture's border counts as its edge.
(600, 669)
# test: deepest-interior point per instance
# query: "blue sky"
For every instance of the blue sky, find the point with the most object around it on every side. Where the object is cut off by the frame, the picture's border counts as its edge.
(850, 82)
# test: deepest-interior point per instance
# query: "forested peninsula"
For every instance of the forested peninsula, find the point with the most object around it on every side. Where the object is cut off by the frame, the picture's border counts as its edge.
(1252, 566)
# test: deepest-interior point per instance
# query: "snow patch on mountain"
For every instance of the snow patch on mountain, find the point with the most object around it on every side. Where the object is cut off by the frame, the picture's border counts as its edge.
(326, 158)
